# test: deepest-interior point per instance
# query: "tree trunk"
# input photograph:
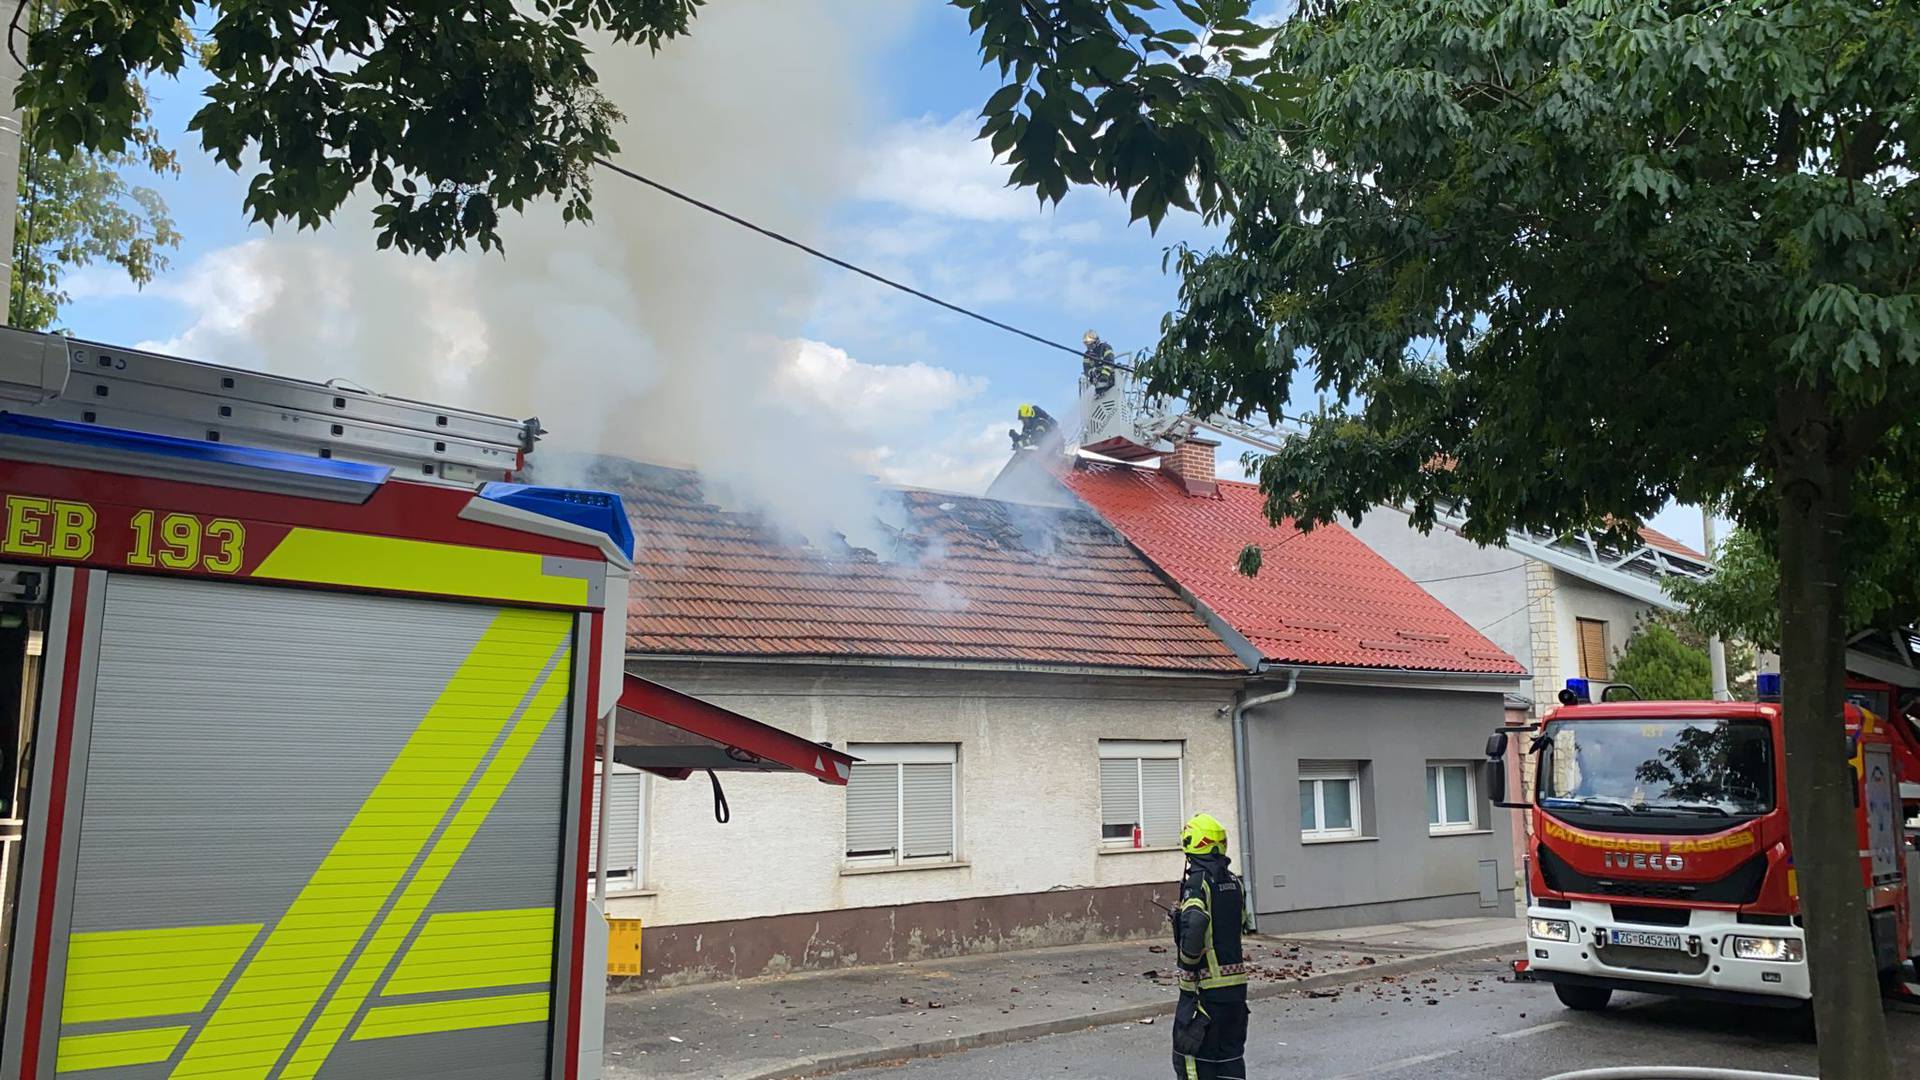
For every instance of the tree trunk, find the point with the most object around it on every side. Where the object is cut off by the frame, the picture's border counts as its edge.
(1813, 481)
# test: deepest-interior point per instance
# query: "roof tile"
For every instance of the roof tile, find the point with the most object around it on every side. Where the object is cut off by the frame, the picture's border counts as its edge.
(970, 579)
(1322, 597)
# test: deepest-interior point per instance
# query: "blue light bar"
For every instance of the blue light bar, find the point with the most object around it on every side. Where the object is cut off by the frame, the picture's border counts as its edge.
(109, 449)
(1768, 686)
(1581, 690)
(601, 511)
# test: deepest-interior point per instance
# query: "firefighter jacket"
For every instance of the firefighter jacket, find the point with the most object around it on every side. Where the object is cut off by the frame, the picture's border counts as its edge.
(1207, 927)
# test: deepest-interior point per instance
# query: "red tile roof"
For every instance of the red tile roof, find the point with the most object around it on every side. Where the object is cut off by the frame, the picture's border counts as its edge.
(975, 580)
(1655, 538)
(1322, 597)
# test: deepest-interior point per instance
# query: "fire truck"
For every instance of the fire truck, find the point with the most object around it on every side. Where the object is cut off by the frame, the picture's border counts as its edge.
(1661, 861)
(302, 703)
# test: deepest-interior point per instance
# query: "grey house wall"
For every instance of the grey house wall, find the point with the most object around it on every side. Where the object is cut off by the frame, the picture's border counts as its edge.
(1399, 871)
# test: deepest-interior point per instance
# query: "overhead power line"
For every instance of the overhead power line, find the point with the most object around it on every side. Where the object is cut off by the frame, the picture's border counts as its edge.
(1460, 577)
(841, 263)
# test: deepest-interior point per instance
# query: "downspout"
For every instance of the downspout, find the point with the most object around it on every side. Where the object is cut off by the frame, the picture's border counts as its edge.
(601, 812)
(1241, 703)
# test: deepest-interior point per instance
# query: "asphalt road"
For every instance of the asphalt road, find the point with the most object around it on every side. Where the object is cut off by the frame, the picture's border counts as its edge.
(1465, 1023)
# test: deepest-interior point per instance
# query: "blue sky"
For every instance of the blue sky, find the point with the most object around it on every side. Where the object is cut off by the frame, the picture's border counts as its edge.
(868, 153)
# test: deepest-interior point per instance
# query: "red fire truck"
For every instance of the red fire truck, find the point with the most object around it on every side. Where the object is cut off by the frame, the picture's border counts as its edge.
(301, 703)
(1660, 854)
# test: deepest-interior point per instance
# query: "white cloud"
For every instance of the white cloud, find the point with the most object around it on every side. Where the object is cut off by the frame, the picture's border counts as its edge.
(870, 398)
(960, 462)
(938, 167)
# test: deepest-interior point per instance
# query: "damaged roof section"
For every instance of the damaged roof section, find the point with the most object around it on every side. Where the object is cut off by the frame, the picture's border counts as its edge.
(1321, 598)
(968, 580)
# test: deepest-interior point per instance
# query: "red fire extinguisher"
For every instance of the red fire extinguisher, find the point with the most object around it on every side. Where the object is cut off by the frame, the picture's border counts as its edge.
(1139, 839)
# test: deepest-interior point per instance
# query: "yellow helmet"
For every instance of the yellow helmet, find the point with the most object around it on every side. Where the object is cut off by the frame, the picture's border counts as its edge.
(1203, 835)
(1026, 412)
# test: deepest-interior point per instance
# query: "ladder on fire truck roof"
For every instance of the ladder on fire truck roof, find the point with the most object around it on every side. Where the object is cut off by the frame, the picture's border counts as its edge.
(51, 377)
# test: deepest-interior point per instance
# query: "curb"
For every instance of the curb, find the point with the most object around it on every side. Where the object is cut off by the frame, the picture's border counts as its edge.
(829, 1064)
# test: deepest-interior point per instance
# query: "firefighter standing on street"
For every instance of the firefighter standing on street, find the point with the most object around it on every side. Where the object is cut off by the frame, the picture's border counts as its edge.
(1210, 1023)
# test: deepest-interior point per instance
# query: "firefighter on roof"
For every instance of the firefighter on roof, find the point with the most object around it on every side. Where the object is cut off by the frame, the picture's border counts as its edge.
(1210, 1022)
(1035, 426)
(1096, 364)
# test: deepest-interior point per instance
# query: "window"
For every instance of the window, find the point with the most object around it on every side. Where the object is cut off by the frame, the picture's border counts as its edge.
(901, 805)
(1450, 797)
(1140, 789)
(626, 824)
(1593, 648)
(1329, 800)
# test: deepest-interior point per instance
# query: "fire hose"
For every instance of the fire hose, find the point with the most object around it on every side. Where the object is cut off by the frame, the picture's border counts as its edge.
(1672, 1072)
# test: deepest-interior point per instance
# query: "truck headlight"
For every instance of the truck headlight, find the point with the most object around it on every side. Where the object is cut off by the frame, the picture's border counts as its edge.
(1550, 929)
(1782, 950)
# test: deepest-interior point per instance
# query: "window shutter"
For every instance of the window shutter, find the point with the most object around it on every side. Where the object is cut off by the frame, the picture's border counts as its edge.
(1120, 791)
(873, 804)
(1593, 649)
(1160, 791)
(927, 803)
(623, 824)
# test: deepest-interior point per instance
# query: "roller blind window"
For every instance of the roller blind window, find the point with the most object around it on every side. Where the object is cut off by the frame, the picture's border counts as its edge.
(1141, 794)
(902, 804)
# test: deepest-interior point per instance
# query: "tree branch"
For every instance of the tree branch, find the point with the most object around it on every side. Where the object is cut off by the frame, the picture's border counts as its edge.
(1786, 140)
(1856, 160)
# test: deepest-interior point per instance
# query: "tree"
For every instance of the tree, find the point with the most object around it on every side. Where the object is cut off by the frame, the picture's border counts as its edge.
(448, 112)
(75, 208)
(1883, 558)
(1657, 664)
(451, 112)
(1560, 264)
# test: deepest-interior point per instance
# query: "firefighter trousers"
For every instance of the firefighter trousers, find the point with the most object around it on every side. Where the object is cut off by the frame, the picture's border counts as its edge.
(1209, 1039)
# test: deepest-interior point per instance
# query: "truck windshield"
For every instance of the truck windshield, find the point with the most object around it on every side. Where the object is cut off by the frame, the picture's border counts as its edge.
(1672, 767)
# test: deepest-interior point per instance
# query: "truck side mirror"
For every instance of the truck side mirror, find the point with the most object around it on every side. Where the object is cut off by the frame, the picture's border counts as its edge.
(1497, 745)
(1495, 779)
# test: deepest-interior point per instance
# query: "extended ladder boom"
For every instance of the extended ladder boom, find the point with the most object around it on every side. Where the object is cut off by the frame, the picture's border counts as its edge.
(165, 395)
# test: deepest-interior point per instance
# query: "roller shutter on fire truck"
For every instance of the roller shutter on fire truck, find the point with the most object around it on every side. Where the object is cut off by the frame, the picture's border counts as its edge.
(321, 837)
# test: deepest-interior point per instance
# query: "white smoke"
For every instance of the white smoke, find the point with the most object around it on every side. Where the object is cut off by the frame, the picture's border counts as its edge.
(657, 332)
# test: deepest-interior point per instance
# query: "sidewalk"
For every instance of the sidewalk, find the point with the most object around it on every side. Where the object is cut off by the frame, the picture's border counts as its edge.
(804, 1025)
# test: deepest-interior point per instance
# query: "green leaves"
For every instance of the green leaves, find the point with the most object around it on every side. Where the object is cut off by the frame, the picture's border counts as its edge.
(448, 112)
(74, 206)
(1660, 667)
(1098, 94)
(1570, 250)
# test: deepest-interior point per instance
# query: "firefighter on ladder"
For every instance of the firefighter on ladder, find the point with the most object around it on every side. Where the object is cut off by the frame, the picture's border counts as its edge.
(1210, 1022)
(1035, 426)
(1096, 364)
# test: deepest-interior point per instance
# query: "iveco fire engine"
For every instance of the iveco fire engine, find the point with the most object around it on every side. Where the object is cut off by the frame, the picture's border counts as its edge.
(1660, 856)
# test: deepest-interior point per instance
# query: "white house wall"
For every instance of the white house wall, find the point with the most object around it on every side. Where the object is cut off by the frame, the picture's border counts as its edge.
(1574, 599)
(1029, 819)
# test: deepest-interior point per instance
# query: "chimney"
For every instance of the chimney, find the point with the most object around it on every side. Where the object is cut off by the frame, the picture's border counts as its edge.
(1191, 464)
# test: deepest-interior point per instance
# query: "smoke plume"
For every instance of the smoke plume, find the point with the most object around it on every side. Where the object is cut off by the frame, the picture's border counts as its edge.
(656, 332)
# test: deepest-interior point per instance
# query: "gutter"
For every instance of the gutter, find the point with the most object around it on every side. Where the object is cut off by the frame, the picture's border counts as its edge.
(1243, 788)
(924, 664)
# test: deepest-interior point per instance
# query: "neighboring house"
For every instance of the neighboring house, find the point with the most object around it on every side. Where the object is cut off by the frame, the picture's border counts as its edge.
(1561, 613)
(1368, 712)
(1035, 710)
